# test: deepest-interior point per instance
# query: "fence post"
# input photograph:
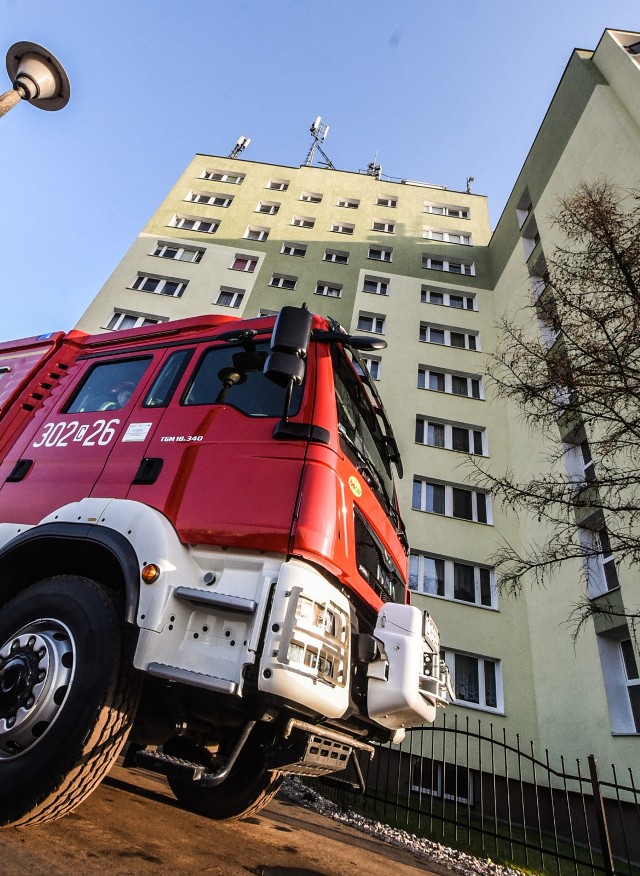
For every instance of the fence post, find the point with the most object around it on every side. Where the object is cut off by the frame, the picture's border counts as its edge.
(601, 818)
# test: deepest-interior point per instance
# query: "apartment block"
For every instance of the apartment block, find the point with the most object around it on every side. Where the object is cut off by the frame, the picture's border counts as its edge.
(419, 265)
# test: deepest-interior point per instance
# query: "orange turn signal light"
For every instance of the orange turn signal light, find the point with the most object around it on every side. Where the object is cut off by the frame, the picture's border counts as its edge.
(150, 573)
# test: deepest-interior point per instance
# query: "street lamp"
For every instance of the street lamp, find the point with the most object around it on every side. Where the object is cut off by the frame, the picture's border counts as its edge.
(37, 77)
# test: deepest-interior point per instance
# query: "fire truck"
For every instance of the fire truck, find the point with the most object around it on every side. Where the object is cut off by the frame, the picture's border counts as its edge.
(202, 556)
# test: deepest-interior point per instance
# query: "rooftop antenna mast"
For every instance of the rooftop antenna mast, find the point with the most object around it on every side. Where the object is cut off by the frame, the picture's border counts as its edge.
(319, 132)
(241, 145)
(373, 168)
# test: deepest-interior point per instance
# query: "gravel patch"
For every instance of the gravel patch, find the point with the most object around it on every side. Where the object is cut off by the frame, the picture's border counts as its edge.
(459, 862)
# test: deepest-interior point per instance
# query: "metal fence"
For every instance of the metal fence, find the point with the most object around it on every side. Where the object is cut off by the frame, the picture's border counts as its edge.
(471, 789)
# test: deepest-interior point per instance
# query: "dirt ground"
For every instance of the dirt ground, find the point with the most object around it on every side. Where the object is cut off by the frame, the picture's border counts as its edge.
(132, 825)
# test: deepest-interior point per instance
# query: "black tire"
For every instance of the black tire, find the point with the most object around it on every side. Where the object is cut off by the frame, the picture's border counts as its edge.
(247, 789)
(68, 695)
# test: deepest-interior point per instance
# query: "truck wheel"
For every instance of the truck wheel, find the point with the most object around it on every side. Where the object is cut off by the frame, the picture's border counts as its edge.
(68, 696)
(247, 789)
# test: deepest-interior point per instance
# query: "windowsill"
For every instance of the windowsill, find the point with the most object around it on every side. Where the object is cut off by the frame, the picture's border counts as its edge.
(381, 261)
(451, 307)
(153, 292)
(444, 216)
(492, 608)
(447, 243)
(450, 346)
(462, 704)
(442, 392)
(603, 595)
(443, 271)
(453, 450)
(451, 517)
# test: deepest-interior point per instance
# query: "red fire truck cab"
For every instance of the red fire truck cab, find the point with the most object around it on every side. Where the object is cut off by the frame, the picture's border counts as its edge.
(201, 553)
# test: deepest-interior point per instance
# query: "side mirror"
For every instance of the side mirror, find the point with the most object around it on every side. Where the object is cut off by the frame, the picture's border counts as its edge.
(289, 346)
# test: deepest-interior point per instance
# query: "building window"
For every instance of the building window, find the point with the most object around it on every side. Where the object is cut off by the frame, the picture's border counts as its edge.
(380, 253)
(256, 232)
(244, 263)
(279, 185)
(371, 322)
(386, 227)
(477, 681)
(446, 236)
(340, 257)
(210, 198)
(311, 197)
(454, 580)
(228, 297)
(195, 223)
(342, 228)
(618, 658)
(268, 207)
(179, 253)
(376, 285)
(303, 221)
(351, 203)
(446, 381)
(451, 501)
(430, 295)
(223, 176)
(428, 497)
(633, 679)
(441, 433)
(386, 202)
(579, 463)
(523, 208)
(283, 281)
(449, 337)
(446, 210)
(122, 320)
(444, 780)
(599, 562)
(373, 365)
(159, 285)
(452, 266)
(331, 290)
(294, 249)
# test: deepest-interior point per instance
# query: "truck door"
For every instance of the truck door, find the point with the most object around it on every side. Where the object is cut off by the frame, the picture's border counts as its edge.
(61, 454)
(224, 479)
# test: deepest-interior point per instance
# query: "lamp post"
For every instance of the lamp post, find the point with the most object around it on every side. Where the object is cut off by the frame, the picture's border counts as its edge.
(37, 77)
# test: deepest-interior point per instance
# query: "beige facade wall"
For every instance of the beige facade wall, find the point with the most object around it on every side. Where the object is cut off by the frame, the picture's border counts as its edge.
(547, 689)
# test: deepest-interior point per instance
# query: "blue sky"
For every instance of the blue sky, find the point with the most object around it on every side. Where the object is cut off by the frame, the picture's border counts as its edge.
(439, 91)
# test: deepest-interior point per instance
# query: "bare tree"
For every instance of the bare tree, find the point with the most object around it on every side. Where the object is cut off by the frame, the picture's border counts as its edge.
(571, 362)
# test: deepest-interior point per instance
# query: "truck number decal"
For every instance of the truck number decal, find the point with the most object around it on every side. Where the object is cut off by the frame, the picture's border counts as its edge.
(59, 434)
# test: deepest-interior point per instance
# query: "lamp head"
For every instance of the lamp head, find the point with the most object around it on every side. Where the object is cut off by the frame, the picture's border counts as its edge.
(38, 76)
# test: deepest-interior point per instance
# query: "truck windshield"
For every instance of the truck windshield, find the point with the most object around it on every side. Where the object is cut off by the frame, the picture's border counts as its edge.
(360, 432)
(233, 375)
